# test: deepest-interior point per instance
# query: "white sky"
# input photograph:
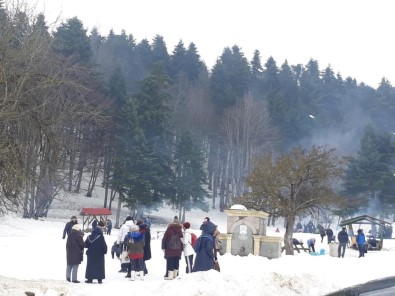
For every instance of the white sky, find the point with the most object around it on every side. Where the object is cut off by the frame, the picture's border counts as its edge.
(355, 37)
(33, 258)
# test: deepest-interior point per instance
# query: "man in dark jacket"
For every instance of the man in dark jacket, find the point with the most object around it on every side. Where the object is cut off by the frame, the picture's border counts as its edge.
(329, 234)
(69, 226)
(342, 238)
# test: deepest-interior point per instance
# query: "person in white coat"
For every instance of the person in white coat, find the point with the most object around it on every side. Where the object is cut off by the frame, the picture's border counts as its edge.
(187, 246)
(123, 231)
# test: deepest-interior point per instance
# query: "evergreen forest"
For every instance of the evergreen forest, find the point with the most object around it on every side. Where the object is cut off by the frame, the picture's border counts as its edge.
(153, 125)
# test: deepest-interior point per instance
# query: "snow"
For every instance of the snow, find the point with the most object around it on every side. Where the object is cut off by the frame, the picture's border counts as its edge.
(33, 258)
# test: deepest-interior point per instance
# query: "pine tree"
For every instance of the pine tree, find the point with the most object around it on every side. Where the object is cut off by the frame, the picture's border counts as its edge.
(190, 175)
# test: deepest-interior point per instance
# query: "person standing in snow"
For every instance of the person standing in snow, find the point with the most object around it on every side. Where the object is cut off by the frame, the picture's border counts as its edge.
(69, 225)
(109, 226)
(205, 256)
(329, 235)
(145, 230)
(97, 248)
(342, 238)
(123, 231)
(361, 243)
(135, 241)
(187, 247)
(172, 247)
(74, 253)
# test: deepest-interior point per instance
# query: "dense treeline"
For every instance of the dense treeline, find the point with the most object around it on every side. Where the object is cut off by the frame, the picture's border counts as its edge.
(157, 127)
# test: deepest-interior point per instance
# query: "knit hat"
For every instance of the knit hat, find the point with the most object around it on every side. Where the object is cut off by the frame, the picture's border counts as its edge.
(186, 225)
(128, 218)
(76, 227)
(176, 220)
(73, 217)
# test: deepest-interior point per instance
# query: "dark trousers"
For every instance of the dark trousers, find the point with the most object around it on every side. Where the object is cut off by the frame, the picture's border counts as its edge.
(311, 247)
(172, 263)
(339, 248)
(189, 262)
(361, 249)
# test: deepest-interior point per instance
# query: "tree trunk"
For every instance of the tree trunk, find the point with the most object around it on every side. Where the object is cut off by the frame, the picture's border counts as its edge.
(118, 214)
(289, 229)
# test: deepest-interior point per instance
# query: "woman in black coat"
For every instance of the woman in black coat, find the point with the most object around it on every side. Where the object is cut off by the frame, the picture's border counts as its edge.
(74, 253)
(144, 229)
(97, 248)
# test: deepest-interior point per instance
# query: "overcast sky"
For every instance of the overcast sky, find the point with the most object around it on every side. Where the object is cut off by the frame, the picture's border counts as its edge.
(355, 37)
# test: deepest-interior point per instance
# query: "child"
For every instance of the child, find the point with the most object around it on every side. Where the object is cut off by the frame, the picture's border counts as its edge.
(136, 252)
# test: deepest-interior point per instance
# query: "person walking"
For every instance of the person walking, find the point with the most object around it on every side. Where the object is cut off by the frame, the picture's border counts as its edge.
(97, 248)
(329, 235)
(74, 253)
(342, 238)
(109, 226)
(69, 225)
(172, 248)
(205, 256)
(361, 243)
(187, 247)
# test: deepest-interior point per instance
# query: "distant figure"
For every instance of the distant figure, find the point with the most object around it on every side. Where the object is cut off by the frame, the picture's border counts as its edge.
(69, 225)
(361, 243)
(172, 247)
(277, 230)
(187, 247)
(205, 256)
(342, 238)
(311, 244)
(299, 227)
(94, 223)
(329, 234)
(97, 248)
(74, 253)
(148, 222)
(109, 226)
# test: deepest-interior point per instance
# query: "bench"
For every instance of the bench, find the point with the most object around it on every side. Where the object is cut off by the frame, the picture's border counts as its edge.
(296, 248)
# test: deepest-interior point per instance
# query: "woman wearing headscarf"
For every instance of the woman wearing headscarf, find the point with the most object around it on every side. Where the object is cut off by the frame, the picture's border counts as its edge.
(205, 247)
(97, 248)
(74, 253)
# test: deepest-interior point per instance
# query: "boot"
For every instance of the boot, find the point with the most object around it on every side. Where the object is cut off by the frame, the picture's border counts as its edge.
(170, 274)
(128, 275)
(141, 275)
(132, 275)
(175, 273)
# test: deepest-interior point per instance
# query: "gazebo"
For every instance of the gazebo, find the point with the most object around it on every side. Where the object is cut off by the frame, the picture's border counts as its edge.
(89, 214)
(366, 219)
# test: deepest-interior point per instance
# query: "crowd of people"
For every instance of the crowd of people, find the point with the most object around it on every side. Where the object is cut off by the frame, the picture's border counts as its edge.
(133, 248)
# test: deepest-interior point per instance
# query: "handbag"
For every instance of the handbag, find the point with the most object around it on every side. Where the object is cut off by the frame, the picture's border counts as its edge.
(216, 266)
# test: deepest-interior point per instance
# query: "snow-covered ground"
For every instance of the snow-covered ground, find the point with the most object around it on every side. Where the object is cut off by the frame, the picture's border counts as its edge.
(33, 258)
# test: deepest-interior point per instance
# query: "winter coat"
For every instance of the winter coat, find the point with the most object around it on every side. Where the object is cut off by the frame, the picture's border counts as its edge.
(311, 242)
(123, 231)
(67, 229)
(205, 256)
(109, 225)
(147, 241)
(74, 248)
(342, 237)
(97, 248)
(173, 228)
(135, 241)
(94, 223)
(187, 243)
(360, 238)
(329, 232)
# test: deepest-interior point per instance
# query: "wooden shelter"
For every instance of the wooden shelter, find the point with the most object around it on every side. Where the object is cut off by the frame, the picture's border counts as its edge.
(366, 219)
(90, 214)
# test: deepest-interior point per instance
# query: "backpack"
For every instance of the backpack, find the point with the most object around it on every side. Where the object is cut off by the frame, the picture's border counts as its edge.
(175, 242)
(194, 239)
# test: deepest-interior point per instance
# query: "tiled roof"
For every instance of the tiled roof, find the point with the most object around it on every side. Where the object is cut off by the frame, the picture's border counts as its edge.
(95, 211)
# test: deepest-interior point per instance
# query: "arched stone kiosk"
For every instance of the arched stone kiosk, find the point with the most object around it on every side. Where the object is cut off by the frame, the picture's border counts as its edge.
(246, 234)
